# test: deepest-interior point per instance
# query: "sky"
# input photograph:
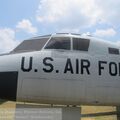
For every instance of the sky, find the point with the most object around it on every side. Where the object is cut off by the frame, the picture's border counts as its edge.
(23, 19)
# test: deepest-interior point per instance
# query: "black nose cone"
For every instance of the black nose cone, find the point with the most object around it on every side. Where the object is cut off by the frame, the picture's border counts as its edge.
(8, 85)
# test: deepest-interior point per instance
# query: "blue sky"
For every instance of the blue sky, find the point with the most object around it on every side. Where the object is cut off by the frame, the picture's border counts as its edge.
(13, 11)
(22, 19)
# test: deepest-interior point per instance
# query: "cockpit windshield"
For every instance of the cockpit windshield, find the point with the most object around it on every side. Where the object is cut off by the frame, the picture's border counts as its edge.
(59, 43)
(53, 42)
(31, 45)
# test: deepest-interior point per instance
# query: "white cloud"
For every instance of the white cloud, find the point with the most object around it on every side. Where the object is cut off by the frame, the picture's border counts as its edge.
(68, 13)
(105, 32)
(77, 14)
(7, 40)
(26, 26)
(110, 11)
(68, 31)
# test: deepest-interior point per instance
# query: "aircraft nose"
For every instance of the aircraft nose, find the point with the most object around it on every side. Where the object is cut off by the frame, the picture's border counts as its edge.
(8, 85)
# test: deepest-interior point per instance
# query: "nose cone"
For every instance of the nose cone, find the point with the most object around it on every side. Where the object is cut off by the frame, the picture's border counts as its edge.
(8, 85)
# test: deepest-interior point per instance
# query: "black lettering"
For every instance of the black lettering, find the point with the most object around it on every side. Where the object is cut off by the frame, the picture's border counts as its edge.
(29, 66)
(113, 69)
(46, 63)
(85, 64)
(77, 66)
(100, 66)
(119, 69)
(68, 66)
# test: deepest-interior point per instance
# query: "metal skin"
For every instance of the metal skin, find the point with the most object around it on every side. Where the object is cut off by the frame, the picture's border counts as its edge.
(66, 76)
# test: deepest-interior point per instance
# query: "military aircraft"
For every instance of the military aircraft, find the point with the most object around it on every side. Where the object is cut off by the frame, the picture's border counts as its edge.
(62, 68)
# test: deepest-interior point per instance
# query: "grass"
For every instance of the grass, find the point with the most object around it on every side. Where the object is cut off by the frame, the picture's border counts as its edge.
(8, 109)
(99, 109)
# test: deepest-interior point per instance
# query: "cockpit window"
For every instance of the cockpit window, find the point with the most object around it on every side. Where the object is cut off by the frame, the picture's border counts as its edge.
(81, 44)
(113, 51)
(30, 45)
(59, 43)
